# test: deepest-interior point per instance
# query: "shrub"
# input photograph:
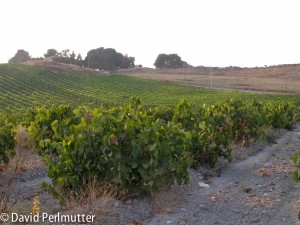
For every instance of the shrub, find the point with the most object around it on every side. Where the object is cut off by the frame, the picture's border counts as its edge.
(296, 161)
(209, 130)
(281, 115)
(247, 119)
(143, 149)
(124, 146)
(50, 126)
(7, 142)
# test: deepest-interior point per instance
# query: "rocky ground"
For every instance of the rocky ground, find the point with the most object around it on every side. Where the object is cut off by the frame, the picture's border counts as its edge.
(255, 188)
(258, 190)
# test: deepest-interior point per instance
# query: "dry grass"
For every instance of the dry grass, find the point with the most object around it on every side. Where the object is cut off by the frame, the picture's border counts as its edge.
(95, 198)
(284, 168)
(61, 67)
(25, 158)
(91, 193)
(165, 201)
(296, 208)
(255, 201)
(280, 79)
(23, 138)
(264, 172)
(222, 195)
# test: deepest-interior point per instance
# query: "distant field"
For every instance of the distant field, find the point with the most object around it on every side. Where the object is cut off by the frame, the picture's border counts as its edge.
(282, 79)
(23, 87)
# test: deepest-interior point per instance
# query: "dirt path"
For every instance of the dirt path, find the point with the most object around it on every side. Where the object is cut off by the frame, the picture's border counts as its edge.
(258, 190)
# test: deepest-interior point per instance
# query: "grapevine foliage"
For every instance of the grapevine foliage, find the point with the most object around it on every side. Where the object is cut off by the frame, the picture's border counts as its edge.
(24, 86)
(145, 149)
(7, 142)
(124, 145)
(296, 160)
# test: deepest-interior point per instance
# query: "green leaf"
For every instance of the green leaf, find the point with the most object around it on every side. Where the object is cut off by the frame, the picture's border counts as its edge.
(295, 176)
(295, 158)
(152, 148)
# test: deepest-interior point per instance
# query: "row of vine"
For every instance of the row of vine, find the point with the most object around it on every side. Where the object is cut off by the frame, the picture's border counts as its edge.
(138, 148)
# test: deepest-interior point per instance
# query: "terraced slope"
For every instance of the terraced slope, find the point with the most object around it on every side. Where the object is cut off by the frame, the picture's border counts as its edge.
(24, 86)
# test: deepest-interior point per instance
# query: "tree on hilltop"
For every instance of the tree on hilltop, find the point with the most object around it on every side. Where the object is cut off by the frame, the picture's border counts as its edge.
(127, 62)
(69, 58)
(20, 57)
(65, 53)
(107, 59)
(161, 61)
(50, 53)
(79, 57)
(164, 61)
(72, 57)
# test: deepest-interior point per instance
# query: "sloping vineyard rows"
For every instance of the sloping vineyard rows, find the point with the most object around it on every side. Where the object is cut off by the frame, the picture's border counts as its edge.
(23, 87)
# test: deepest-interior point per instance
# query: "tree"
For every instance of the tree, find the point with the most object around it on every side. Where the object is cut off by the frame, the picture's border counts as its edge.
(72, 57)
(65, 53)
(127, 62)
(79, 57)
(79, 60)
(164, 61)
(175, 61)
(50, 53)
(161, 61)
(107, 59)
(69, 58)
(20, 57)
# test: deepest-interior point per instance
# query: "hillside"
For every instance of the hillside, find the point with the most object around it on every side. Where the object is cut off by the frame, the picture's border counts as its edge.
(279, 78)
(258, 189)
(24, 86)
(47, 63)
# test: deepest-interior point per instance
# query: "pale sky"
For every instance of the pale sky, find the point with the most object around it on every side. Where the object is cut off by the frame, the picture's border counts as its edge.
(209, 33)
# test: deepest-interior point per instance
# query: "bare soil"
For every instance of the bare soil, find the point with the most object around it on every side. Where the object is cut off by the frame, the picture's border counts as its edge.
(47, 63)
(279, 79)
(258, 190)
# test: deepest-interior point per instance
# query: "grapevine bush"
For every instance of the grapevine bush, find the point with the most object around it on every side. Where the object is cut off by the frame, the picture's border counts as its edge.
(209, 130)
(281, 115)
(122, 145)
(296, 160)
(296, 173)
(50, 126)
(7, 142)
(145, 149)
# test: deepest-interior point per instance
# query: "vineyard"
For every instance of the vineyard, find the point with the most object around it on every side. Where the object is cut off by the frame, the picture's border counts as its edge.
(89, 127)
(23, 87)
(139, 148)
